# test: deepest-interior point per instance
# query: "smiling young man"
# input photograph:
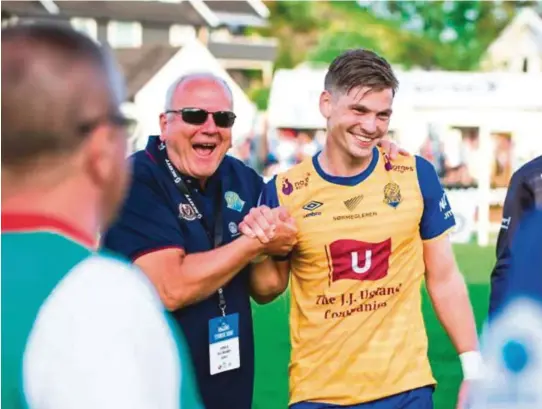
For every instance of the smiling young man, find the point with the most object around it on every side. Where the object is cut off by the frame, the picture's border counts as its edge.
(369, 233)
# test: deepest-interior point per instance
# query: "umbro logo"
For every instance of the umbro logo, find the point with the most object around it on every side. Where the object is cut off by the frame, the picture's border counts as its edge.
(312, 205)
(351, 204)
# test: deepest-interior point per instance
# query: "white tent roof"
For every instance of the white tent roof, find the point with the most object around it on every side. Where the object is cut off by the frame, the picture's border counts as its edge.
(193, 57)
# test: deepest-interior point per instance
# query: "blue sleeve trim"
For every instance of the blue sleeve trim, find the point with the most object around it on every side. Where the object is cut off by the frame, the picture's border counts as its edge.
(269, 196)
(437, 214)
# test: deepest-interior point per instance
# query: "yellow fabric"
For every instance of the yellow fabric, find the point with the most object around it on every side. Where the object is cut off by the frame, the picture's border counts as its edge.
(357, 330)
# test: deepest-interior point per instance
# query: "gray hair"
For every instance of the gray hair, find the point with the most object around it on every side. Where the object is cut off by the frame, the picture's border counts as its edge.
(195, 75)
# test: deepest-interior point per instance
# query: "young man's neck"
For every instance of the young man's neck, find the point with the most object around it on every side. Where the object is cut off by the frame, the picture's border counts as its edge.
(337, 163)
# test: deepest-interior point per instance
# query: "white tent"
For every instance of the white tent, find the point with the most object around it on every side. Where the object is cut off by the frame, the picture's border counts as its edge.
(193, 57)
(293, 100)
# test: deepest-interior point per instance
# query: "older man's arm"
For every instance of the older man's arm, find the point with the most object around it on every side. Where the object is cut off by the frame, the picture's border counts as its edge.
(182, 279)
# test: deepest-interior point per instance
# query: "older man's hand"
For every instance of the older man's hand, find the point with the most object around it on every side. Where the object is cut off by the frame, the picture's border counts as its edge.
(391, 149)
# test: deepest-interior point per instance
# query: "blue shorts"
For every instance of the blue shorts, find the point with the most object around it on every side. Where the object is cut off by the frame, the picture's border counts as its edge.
(420, 398)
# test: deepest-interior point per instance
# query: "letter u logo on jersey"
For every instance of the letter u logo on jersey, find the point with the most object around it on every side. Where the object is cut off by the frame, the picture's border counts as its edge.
(358, 260)
(367, 264)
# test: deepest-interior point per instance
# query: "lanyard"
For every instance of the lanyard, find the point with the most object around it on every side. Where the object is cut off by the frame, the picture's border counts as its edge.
(216, 237)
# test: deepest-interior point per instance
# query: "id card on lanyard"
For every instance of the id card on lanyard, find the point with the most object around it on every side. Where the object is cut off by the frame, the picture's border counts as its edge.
(223, 330)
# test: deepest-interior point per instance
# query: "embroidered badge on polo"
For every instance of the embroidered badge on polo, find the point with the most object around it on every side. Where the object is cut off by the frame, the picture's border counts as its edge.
(233, 201)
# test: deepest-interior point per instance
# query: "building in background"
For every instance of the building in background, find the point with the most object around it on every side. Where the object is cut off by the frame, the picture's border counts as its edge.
(156, 41)
(238, 54)
(519, 47)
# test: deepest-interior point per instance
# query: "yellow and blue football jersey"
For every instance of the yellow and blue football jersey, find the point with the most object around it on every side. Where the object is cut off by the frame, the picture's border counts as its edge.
(357, 330)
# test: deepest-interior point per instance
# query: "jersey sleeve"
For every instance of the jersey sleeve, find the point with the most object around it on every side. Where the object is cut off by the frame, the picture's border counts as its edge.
(269, 196)
(437, 215)
(146, 222)
(102, 340)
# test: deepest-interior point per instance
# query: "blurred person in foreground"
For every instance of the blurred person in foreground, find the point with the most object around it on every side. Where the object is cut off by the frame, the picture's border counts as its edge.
(79, 329)
(180, 225)
(523, 196)
(512, 340)
(370, 232)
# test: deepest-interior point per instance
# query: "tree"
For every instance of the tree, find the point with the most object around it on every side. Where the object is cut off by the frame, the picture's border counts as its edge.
(460, 31)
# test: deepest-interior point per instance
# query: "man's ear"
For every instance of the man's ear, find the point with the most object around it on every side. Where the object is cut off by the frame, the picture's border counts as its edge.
(325, 104)
(163, 125)
(100, 154)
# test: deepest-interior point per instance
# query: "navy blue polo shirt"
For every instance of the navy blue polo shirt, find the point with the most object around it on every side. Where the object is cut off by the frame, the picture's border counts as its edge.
(154, 218)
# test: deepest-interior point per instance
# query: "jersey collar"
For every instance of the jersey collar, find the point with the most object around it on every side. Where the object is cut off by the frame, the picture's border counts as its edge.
(347, 180)
(33, 222)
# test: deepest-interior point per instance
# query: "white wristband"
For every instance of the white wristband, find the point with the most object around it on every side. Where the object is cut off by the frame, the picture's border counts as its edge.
(471, 363)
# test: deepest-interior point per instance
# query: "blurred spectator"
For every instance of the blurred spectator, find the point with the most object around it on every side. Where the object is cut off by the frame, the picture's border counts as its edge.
(307, 146)
(285, 147)
(271, 167)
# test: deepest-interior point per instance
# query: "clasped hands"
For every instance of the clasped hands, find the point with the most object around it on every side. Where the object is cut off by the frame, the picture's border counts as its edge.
(274, 228)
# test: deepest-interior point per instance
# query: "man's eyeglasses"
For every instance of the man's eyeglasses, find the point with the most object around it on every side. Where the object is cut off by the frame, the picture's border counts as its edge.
(198, 116)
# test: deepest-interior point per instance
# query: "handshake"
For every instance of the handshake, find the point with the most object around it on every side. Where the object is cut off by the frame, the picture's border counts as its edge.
(274, 228)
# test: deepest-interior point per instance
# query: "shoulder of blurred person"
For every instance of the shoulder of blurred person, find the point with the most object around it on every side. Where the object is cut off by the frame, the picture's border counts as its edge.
(512, 338)
(64, 177)
(531, 174)
(523, 195)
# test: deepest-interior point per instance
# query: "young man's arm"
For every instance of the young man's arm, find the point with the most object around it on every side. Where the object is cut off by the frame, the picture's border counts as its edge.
(445, 283)
(269, 278)
(448, 292)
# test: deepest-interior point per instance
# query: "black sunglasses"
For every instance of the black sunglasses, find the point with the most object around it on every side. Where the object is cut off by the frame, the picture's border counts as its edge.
(198, 116)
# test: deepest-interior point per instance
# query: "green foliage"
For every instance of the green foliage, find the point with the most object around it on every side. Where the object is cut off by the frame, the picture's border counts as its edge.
(450, 35)
(458, 32)
(260, 96)
(333, 43)
(297, 14)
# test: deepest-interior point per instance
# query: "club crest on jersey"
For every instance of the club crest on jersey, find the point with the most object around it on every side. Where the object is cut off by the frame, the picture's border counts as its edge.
(187, 212)
(392, 194)
(233, 201)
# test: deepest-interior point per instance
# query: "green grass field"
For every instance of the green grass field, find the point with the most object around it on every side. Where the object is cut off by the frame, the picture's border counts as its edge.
(273, 344)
